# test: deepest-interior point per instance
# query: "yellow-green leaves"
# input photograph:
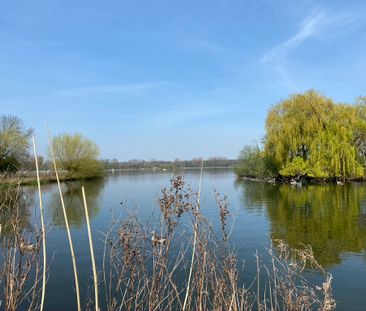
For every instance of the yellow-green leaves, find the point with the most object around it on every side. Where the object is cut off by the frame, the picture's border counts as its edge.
(309, 134)
(77, 155)
(296, 167)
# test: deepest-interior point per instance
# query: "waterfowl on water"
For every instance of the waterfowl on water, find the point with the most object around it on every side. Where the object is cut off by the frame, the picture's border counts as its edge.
(296, 183)
(27, 247)
(156, 239)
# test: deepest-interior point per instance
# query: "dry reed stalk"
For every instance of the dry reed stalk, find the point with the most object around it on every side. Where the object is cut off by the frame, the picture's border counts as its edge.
(66, 224)
(91, 251)
(42, 225)
(146, 276)
(19, 256)
(258, 282)
(194, 241)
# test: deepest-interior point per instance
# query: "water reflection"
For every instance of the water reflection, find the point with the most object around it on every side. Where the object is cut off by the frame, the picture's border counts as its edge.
(330, 218)
(74, 202)
(15, 206)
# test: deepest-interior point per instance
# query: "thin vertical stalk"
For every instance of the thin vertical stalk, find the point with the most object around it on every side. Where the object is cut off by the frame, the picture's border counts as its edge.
(67, 225)
(259, 306)
(42, 225)
(194, 242)
(91, 251)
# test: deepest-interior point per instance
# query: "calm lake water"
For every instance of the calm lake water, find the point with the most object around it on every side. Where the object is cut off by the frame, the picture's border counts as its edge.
(332, 219)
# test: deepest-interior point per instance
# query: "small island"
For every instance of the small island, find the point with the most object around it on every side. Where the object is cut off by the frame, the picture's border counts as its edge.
(309, 137)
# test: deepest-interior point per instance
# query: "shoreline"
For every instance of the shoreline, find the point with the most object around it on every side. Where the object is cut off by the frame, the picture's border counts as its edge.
(301, 181)
(158, 169)
(32, 180)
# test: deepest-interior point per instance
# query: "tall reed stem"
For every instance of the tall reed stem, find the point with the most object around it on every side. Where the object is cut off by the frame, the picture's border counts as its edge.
(91, 251)
(194, 242)
(67, 225)
(42, 225)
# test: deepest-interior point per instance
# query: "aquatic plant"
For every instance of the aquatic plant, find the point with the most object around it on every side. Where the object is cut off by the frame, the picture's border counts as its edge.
(170, 266)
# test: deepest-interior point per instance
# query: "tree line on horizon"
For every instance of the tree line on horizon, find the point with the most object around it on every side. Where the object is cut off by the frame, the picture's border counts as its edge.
(309, 135)
(177, 163)
(76, 155)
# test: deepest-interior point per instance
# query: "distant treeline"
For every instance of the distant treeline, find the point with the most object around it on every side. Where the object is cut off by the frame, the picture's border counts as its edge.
(142, 164)
(75, 155)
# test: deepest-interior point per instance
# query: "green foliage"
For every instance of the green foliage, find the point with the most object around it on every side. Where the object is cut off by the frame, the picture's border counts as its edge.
(14, 143)
(360, 129)
(77, 155)
(296, 167)
(309, 134)
(252, 163)
(334, 154)
(9, 164)
(292, 125)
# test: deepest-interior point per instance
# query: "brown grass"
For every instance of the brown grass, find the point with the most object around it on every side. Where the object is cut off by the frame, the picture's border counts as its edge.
(172, 267)
(154, 272)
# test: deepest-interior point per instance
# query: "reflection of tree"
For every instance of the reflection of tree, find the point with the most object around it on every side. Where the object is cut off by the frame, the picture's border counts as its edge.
(330, 218)
(74, 203)
(14, 210)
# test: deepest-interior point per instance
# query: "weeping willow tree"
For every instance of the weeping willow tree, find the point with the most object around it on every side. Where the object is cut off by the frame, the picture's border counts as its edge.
(293, 124)
(360, 129)
(334, 155)
(309, 134)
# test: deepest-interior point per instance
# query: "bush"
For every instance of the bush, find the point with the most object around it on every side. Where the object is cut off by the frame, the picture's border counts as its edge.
(253, 163)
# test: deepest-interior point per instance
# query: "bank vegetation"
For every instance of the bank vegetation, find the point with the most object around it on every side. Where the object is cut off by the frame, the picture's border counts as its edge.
(309, 136)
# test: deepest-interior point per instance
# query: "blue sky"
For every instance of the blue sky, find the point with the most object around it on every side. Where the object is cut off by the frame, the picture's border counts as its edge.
(173, 79)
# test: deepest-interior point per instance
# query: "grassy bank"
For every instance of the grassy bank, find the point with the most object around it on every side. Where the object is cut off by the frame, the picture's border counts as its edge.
(32, 180)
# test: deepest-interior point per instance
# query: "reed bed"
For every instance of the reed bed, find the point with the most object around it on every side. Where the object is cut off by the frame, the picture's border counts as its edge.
(155, 270)
(21, 264)
(167, 266)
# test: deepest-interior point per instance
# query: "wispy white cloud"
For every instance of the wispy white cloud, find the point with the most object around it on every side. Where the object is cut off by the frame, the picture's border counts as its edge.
(111, 89)
(310, 27)
(319, 24)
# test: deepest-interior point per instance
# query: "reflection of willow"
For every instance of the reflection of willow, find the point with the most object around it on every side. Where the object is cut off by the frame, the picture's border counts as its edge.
(330, 218)
(74, 202)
